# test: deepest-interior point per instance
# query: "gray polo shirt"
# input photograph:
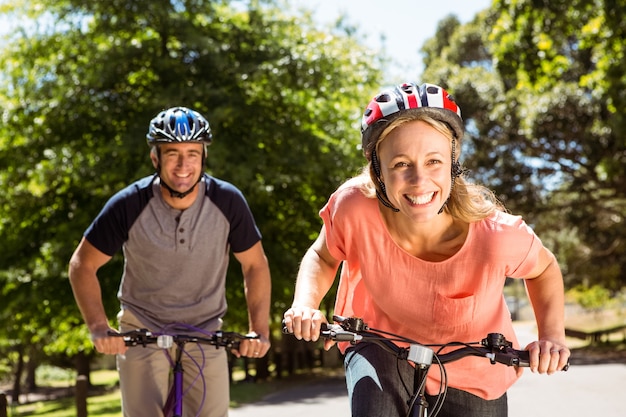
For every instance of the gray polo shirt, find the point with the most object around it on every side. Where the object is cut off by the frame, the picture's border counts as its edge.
(175, 261)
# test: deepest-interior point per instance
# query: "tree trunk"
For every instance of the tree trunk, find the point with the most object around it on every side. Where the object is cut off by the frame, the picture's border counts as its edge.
(262, 364)
(81, 393)
(82, 362)
(262, 368)
(3, 405)
(31, 368)
(19, 370)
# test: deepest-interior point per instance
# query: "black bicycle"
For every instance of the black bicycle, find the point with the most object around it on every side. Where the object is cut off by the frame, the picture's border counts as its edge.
(142, 337)
(494, 347)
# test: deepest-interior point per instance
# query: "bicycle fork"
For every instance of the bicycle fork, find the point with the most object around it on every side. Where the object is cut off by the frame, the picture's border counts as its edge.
(417, 403)
(422, 357)
(174, 404)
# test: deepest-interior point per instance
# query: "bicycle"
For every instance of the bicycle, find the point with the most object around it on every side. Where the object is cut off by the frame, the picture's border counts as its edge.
(142, 337)
(494, 347)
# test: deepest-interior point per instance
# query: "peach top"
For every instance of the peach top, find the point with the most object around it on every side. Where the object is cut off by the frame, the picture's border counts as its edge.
(458, 299)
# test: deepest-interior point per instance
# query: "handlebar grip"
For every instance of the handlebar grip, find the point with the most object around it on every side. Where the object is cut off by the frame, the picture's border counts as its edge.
(524, 359)
(511, 357)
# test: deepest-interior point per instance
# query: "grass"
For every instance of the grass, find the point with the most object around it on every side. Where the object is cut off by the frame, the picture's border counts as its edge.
(598, 320)
(106, 402)
(106, 405)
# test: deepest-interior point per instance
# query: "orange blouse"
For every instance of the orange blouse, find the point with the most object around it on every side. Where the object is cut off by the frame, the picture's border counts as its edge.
(456, 300)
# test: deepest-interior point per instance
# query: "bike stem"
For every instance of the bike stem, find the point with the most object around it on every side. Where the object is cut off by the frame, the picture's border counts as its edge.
(422, 357)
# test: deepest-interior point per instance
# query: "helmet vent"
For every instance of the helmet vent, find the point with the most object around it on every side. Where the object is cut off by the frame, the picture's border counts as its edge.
(383, 98)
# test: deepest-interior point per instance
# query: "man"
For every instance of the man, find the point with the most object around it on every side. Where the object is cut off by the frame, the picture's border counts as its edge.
(176, 229)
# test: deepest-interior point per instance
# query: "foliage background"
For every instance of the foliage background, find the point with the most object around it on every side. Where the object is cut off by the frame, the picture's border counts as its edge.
(542, 87)
(82, 79)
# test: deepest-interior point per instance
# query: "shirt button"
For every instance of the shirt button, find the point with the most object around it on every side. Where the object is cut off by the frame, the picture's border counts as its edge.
(182, 241)
(181, 230)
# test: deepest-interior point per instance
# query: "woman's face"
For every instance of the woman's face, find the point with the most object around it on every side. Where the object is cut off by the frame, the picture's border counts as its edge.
(415, 164)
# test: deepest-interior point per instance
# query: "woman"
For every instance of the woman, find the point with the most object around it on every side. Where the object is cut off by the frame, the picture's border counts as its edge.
(425, 254)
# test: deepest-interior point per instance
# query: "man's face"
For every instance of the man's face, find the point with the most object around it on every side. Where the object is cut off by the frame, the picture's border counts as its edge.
(181, 164)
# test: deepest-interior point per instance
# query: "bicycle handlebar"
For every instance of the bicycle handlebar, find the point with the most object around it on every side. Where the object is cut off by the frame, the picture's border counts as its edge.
(494, 347)
(145, 337)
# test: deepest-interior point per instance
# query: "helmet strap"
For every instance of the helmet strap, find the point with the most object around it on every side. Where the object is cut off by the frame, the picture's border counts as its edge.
(382, 195)
(173, 192)
(455, 171)
(178, 194)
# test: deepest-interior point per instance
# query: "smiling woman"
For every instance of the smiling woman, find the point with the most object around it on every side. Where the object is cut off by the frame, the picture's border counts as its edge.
(418, 244)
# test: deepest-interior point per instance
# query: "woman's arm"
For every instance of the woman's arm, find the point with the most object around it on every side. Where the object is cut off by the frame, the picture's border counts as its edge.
(315, 277)
(546, 293)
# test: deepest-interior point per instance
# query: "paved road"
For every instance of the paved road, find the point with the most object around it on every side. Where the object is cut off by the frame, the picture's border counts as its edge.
(325, 398)
(585, 390)
(582, 391)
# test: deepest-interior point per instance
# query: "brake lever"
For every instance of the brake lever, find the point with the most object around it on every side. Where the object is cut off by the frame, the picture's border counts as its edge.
(337, 333)
(351, 324)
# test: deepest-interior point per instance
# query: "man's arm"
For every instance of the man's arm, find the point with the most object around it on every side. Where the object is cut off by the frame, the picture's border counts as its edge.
(258, 290)
(83, 268)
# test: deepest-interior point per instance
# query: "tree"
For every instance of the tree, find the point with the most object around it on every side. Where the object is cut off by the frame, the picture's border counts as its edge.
(543, 82)
(81, 81)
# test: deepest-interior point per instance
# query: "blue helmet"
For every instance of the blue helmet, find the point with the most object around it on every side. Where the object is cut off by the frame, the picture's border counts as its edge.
(179, 124)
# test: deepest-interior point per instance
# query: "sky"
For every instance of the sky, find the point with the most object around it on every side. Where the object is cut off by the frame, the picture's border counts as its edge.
(405, 24)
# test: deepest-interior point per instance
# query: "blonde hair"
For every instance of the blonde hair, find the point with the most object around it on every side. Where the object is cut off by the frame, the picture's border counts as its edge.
(468, 202)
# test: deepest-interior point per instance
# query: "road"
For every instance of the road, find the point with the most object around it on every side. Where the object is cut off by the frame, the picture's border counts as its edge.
(588, 390)
(583, 391)
(325, 398)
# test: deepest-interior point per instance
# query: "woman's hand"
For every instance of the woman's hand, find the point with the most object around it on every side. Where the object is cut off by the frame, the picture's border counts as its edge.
(547, 356)
(304, 322)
